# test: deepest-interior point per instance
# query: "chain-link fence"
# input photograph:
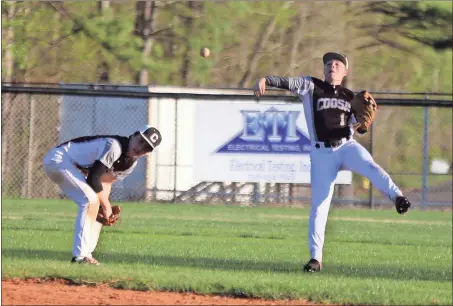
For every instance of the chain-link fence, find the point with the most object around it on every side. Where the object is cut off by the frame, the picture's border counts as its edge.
(411, 139)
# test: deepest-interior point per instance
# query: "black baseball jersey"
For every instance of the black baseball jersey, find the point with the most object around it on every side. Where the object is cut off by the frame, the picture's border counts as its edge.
(327, 107)
(110, 150)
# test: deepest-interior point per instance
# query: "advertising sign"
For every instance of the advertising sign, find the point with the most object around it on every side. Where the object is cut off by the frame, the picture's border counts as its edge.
(250, 142)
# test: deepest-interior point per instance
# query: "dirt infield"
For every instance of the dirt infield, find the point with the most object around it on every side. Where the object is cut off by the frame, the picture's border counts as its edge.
(62, 292)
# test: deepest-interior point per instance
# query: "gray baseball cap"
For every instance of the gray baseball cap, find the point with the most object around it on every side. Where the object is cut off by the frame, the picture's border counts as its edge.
(334, 55)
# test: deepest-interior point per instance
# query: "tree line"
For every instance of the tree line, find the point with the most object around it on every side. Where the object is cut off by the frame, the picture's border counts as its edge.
(391, 46)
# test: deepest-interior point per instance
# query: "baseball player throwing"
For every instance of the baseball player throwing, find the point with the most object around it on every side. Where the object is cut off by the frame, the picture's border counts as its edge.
(85, 168)
(331, 121)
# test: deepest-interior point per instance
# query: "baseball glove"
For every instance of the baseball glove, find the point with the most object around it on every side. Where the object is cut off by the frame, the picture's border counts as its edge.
(109, 221)
(364, 107)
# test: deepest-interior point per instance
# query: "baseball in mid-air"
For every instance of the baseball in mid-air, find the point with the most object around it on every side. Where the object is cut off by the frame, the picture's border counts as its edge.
(205, 52)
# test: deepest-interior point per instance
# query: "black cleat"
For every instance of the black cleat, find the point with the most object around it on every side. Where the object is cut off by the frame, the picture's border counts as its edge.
(313, 266)
(402, 204)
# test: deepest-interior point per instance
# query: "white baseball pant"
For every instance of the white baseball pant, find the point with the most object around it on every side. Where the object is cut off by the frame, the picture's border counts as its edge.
(60, 169)
(325, 164)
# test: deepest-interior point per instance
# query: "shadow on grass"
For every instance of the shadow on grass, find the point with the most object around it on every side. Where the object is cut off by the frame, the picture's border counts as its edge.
(35, 230)
(377, 271)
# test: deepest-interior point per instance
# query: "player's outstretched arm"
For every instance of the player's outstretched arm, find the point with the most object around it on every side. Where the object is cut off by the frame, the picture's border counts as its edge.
(296, 84)
(260, 87)
(275, 81)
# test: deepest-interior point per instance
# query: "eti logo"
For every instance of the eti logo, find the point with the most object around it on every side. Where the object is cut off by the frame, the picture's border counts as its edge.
(272, 131)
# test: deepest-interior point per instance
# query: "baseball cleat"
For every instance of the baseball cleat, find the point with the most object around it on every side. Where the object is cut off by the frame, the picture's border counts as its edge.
(402, 204)
(85, 260)
(313, 266)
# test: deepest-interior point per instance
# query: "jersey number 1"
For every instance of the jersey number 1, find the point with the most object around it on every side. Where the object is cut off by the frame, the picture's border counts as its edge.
(342, 123)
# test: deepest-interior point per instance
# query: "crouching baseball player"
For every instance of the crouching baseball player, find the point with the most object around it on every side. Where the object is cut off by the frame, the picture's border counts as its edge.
(85, 169)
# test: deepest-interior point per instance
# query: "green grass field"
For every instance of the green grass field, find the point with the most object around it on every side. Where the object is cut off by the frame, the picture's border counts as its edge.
(371, 257)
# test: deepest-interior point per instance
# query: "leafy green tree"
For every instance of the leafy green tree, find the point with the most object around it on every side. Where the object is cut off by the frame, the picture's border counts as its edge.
(424, 22)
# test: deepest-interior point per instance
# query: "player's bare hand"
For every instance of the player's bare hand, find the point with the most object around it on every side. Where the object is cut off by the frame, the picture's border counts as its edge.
(260, 87)
(107, 210)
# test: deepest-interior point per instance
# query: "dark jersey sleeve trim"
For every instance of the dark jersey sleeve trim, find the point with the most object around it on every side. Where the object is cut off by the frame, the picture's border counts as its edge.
(94, 177)
(278, 82)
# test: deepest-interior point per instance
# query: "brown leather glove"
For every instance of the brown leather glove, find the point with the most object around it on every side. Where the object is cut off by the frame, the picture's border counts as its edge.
(112, 219)
(364, 107)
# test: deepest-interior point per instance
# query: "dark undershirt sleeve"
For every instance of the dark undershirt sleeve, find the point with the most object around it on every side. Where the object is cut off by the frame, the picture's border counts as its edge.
(94, 177)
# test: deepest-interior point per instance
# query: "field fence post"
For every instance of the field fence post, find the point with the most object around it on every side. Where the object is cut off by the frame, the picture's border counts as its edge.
(175, 160)
(256, 194)
(425, 156)
(31, 148)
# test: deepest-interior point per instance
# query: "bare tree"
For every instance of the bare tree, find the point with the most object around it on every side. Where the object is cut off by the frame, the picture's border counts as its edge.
(298, 33)
(188, 21)
(9, 57)
(146, 13)
(103, 5)
(103, 67)
(263, 37)
(266, 30)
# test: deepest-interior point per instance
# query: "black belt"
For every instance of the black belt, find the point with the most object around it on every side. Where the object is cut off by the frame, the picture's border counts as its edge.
(332, 143)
